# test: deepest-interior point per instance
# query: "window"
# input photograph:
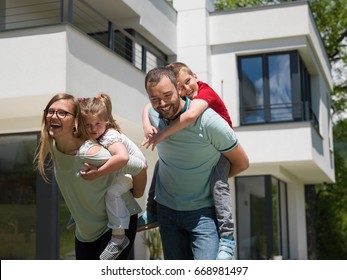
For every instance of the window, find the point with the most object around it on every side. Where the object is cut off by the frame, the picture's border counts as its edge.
(29, 207)
(18, 197)
(261, 207)
(274, 88)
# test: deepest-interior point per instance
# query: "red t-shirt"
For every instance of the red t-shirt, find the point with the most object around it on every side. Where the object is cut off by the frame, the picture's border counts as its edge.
(213, 100)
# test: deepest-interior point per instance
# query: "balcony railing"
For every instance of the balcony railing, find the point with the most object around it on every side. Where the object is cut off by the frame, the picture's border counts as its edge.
(284, 112)
(126, 43)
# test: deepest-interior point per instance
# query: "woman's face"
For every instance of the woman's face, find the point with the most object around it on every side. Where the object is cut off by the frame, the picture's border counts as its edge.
(60, 120)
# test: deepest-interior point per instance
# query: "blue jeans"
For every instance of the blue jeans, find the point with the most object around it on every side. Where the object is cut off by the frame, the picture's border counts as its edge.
(188, 235)
(221, 196)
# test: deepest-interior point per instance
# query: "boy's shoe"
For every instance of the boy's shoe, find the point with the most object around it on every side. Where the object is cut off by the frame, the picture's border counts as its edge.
(113, 250)
(226, 249)
(147, 221)
(71, 223)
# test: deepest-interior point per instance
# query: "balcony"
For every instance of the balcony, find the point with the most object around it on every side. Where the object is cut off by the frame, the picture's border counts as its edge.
(126, 42)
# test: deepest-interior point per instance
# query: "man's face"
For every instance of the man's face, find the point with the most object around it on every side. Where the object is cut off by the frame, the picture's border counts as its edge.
(165, 98)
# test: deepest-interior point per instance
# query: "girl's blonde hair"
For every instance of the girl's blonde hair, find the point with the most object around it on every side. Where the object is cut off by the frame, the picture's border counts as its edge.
(45, 147)
(101, 107)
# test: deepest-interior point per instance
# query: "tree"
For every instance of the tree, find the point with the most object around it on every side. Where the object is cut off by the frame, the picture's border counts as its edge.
(331, 19)
(326, 205)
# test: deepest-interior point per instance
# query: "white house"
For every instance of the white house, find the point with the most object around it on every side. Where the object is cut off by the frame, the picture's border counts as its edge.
(267, 63)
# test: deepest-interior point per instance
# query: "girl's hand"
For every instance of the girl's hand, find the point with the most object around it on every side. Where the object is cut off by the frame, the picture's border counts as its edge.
(91, 172)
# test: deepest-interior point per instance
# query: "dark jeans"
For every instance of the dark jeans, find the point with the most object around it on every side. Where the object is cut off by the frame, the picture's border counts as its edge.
(93, 250)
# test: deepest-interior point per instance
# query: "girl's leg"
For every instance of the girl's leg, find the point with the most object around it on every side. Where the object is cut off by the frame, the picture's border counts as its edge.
(127, 253)
(118, 220)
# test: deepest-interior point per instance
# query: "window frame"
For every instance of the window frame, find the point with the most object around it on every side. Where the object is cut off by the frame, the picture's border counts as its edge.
(267, 233)
(300, 90)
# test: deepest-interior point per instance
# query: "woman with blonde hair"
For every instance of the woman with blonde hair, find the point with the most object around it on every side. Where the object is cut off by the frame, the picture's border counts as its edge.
(66, 142)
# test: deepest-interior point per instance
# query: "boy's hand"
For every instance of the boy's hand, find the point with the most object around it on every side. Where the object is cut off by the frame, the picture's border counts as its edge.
(91, 172)
(154, 140)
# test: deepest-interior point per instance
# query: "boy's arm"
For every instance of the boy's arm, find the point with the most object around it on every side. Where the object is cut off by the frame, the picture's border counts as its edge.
(197, 106)
(148, 129)
(118, 160)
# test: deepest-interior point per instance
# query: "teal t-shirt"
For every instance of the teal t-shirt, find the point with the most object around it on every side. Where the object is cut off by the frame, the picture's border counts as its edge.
(187, 160)
(86, 199)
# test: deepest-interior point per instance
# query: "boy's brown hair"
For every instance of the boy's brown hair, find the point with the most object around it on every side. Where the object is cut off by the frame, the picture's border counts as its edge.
(178, 67)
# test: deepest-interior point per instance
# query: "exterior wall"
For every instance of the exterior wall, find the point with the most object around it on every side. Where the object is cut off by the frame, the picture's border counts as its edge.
(297, 221)
(151, 18)
(92, 68)
(27, 78)
(193, 36)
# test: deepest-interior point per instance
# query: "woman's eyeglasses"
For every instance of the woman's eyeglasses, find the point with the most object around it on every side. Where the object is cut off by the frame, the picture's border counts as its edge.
(61, 114)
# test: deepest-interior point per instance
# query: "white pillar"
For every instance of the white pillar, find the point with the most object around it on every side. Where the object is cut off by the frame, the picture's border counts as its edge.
(192, 35)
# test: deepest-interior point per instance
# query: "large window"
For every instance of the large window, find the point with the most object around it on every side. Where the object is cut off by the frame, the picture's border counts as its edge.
(18, 197)
(261, 207)
(31, 225)
(274, 88)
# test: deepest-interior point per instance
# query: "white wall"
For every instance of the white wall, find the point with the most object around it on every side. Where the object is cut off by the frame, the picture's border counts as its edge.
(297, 222)
(27, 80)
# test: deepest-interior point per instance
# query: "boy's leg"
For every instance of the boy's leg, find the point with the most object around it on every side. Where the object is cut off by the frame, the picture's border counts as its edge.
(139, 183)
(149, 219)
(222, 200)
(151, 203)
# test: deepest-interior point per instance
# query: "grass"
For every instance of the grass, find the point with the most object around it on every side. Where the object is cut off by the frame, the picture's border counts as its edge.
(18, 232)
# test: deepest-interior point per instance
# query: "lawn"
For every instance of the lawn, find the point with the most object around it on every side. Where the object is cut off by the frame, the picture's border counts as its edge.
(18, 232)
